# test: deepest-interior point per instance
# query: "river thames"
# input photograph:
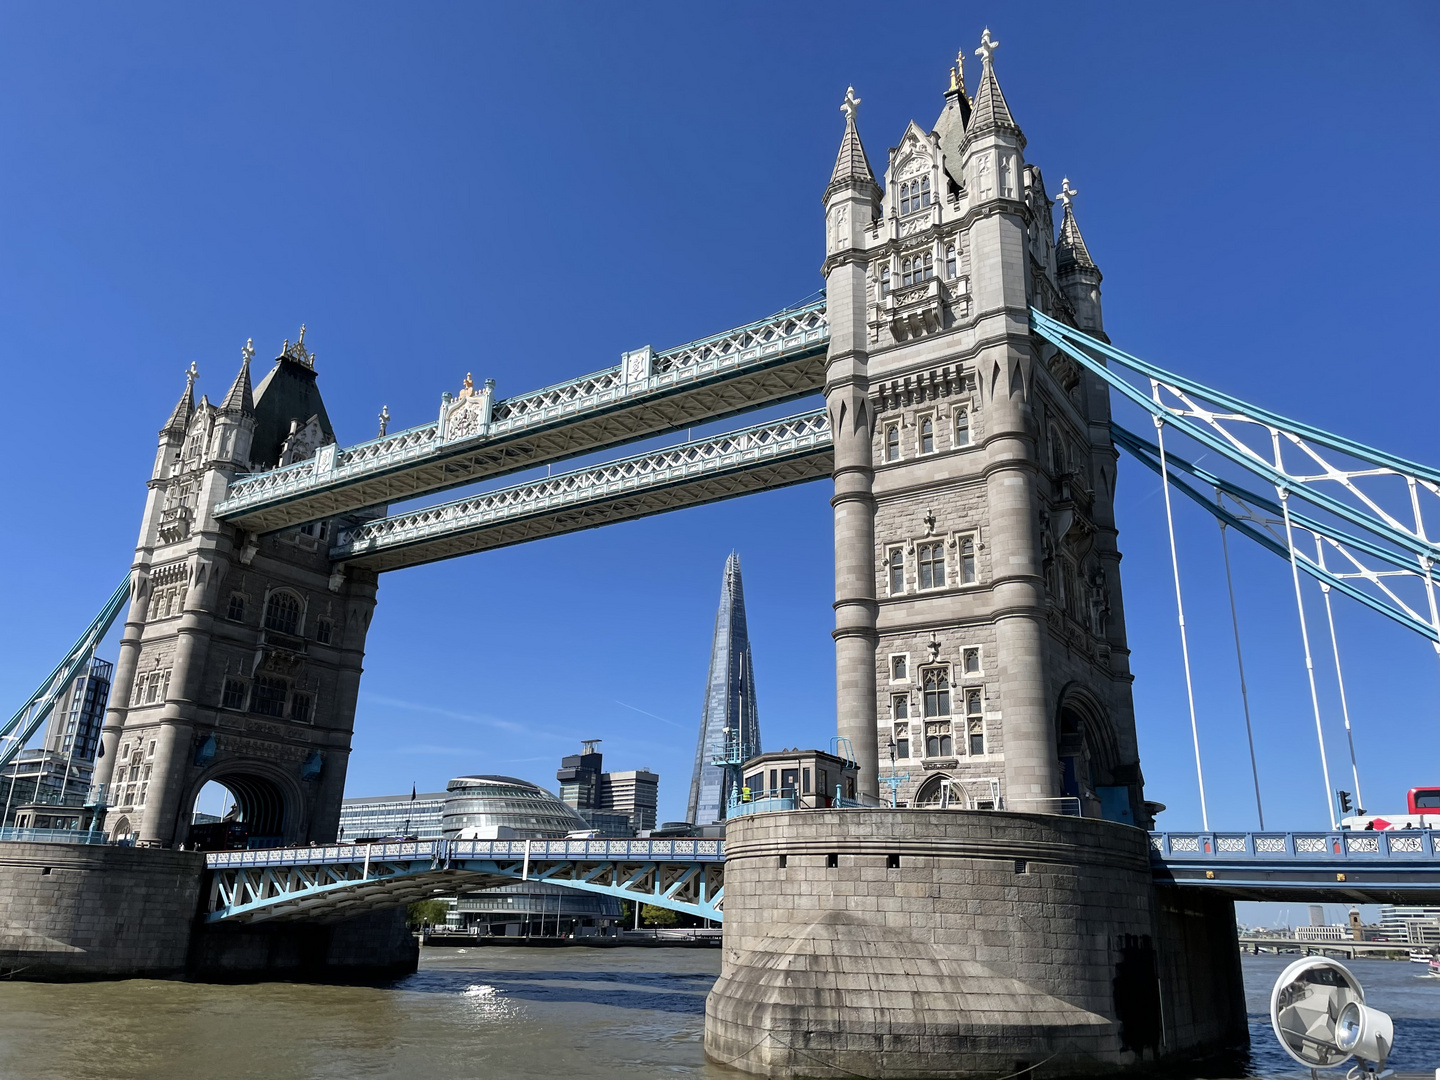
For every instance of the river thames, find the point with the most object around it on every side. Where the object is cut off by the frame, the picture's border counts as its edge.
(492, 1013)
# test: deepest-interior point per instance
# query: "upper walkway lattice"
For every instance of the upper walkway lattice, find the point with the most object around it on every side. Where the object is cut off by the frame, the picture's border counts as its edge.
(766, 362)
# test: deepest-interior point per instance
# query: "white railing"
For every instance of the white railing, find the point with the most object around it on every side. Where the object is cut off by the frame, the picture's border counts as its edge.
(753, 345)
(720, 453)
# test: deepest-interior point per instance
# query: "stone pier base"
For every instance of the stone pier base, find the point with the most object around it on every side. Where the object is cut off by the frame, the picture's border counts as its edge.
(78, 911)
(913, 943)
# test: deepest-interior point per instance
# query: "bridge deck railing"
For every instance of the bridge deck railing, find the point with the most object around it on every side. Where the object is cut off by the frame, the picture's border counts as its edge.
(697, 849)
(54, 836)
(1324, 846)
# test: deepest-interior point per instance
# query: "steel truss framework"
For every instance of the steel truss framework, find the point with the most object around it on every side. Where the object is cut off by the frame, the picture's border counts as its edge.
(759, 458)
(763, 363)
(1364, 507)
(27, 720)
(341, 880)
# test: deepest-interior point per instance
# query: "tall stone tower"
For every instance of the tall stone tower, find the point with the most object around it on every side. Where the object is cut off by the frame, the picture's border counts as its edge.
(1004, 918)
(979, 628)
(241, 656)
(730, 721)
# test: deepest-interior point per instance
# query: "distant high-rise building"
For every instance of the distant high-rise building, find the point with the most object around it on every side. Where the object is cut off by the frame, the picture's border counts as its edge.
(615, 803)
(74, 727)
(730, 708)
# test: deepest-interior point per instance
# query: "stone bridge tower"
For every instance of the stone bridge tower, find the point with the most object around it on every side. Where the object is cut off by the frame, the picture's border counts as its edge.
(979, 626)
(241, 656)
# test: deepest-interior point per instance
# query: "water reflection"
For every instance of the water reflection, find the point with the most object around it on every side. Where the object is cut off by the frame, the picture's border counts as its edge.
(498, 1013)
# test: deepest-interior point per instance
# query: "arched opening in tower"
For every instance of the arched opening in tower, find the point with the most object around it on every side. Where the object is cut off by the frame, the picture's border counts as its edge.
(237, 810)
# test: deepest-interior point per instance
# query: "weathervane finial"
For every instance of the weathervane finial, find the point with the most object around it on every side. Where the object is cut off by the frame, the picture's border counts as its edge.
(987, 48)
(1067, 193)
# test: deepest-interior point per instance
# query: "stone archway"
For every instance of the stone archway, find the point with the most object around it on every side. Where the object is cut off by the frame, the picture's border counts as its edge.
(928, 793)
(265, 809)
(1086, 746)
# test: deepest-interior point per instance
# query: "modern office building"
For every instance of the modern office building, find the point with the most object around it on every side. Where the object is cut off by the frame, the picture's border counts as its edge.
(614, 803)
(45, 787)
(729, 724)
(1412, 924)
(393, 815)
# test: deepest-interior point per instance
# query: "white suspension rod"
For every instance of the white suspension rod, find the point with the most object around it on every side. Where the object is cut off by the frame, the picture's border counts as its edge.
(1240, 663)
(1180, 610)
(1305, 635)
(1339, 676)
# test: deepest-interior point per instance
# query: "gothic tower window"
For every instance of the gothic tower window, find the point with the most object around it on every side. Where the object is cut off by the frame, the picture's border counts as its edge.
(914, 195)
(975, 720)
(927, 436)
(962, 427)
(970, 661)
(951, 267)
(902, 740)
(897, 578)
(892, 442)
(282, 613)
(269, 696)
(899, 668)
(931, 560)
(301, 708)
(900, 708)
(916, 269)
(235, 610)
(324, 629)
(233, 696)
(885, 281)
(937, 692)
(967, 560)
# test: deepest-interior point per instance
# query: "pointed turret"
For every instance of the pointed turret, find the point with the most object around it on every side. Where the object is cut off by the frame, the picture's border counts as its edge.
(240, 399)
(852, 164)
(1079, 276)
(950, 127)
(990, 112)
(174, 429)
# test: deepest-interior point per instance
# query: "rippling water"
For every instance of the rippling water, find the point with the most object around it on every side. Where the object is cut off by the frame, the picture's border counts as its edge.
(492, 1013)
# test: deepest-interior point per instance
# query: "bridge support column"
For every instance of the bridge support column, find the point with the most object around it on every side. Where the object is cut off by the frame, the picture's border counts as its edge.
(904, 943)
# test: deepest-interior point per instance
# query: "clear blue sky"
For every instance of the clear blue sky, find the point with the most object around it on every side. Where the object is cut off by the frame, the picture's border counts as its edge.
(524, 191)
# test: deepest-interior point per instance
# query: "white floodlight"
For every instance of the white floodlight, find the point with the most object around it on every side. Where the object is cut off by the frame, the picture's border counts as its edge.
(1318, 1011)
(1365, 1032)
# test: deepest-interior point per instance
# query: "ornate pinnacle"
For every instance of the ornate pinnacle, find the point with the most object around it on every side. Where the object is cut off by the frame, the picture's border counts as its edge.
(191, 374)
(1067, 193)
(851, 105)
(987, 48)
(248, 352)
(957, 73)
(298, 352)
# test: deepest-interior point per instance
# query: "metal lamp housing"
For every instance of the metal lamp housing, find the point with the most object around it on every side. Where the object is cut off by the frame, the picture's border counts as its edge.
(1365, 1032)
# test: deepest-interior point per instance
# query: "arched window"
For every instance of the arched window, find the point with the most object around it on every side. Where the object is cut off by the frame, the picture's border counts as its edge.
(967, 560)
(951, 266)
(962, 427)
(282, 613)
(927, 436)
(929, 266)
(907, 272)
(897, 575)
(892, 442)
(1057, 454)
(931, 561)
(885, 281)
(937, 692)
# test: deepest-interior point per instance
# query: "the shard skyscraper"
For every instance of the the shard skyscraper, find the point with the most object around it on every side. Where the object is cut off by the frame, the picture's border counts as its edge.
(729, 703)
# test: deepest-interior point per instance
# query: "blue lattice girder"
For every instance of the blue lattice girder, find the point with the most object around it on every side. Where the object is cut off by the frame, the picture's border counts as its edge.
(28, 718)
(1148, 454)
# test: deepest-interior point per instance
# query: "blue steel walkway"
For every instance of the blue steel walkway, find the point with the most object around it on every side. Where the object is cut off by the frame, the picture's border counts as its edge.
(340, 880)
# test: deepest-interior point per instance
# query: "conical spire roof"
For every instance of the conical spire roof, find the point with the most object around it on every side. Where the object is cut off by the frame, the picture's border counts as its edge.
(852, 166)
(990, 111)
(240, 399)
(184, 408)
(1071, 249)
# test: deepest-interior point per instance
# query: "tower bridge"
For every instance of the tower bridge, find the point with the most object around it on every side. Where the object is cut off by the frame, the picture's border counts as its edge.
(968, 381)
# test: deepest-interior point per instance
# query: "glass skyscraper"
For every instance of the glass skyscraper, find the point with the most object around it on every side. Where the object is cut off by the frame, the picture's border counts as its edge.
(730, 709)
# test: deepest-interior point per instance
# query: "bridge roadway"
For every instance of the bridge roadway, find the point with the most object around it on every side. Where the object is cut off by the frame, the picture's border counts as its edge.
(763, 363)
(759, 458)
(340, 880)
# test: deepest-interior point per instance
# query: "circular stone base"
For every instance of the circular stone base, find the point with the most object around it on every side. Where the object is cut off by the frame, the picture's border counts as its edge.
(914, 943)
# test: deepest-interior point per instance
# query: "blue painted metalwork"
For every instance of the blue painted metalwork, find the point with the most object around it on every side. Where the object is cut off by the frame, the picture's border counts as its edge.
(1081, 347)
(54, 836)
(27, 720)
(1149, 455)
(1381, 866)
(340, 879)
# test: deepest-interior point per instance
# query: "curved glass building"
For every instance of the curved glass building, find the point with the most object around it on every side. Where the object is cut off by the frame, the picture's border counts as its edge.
(505, 800)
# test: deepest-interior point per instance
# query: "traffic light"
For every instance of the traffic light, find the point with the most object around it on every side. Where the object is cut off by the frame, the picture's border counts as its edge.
(1344, 801)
